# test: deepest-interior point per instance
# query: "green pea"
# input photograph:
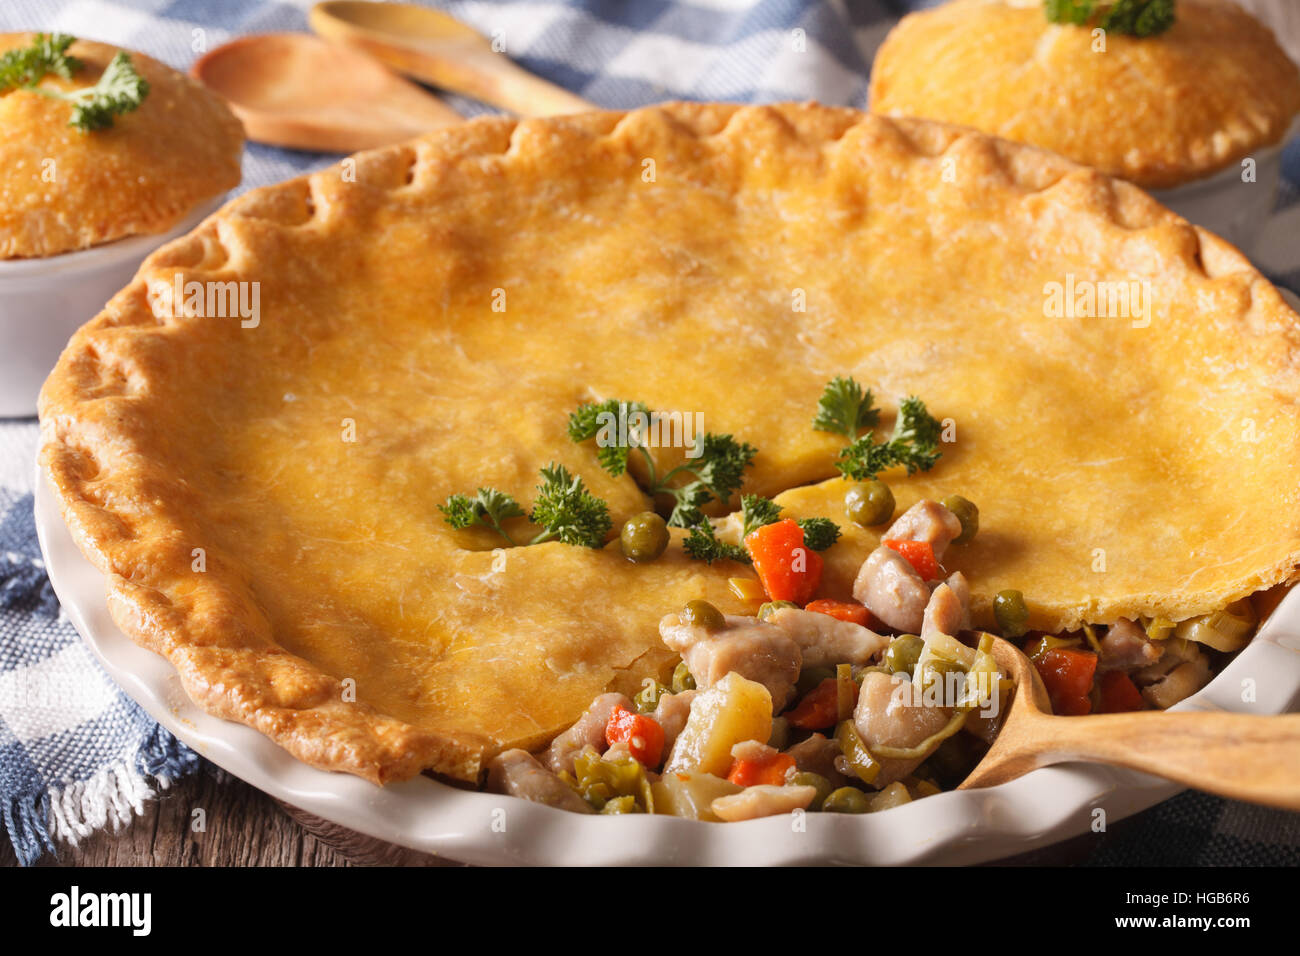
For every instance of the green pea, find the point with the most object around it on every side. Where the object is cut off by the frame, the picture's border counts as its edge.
(869, 503)
(683, 679)
(769, 608)
(819, 783)
(699, 613)
(1011, 613)
(938, 669)
(647, 699)
(845, 800)
(967, 514)
(902, 653)
(644, 537)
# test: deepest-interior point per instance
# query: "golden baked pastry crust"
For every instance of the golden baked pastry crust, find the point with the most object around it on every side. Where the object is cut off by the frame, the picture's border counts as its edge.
(1173, 448)
(1159, 111)
(140, 177)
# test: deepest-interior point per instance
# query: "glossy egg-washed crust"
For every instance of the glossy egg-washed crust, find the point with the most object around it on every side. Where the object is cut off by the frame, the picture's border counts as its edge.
(63, 189)
(1158, 111)
(1120, 471)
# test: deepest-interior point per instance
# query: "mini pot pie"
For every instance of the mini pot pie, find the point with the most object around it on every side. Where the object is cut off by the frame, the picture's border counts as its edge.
(266, 497)
(63, 189)
(1160, 111)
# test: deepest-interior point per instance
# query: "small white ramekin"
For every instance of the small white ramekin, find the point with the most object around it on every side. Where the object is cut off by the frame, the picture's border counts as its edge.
(43, 301)
(1228, 206)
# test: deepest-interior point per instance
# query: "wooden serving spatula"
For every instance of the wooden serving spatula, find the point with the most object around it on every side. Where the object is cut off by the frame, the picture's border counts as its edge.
(440, 50)
(1241, 756)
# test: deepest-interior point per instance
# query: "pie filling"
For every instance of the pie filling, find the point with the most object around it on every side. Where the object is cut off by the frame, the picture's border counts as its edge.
(848, 704)
(836, 707)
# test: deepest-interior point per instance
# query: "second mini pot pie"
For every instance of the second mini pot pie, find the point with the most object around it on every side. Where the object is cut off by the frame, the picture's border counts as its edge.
(64, 189)
(1159, 111)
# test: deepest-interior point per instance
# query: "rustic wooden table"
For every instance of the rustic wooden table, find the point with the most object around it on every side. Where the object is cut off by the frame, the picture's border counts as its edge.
(242, 827)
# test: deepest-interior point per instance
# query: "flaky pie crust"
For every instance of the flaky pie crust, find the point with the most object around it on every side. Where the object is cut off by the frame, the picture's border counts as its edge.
(1158, 111)
(62, 189)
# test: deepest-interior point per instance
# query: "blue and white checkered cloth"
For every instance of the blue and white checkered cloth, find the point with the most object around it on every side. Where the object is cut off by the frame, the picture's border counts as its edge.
(76, 754)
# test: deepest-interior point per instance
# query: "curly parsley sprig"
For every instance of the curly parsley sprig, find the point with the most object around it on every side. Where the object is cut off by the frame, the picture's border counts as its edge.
(847, 409)
(702, 544)
(26, 66)
(564, 509)
(1140, 18)
(119, 90)
(819, 533)
(715, 473)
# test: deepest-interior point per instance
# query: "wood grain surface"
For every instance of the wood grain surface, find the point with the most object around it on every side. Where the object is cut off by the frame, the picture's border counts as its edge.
(242, 827)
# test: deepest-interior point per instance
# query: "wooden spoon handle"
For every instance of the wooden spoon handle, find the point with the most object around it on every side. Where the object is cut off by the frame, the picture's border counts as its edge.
(1241, 756)
(495, 78)
(472, 68)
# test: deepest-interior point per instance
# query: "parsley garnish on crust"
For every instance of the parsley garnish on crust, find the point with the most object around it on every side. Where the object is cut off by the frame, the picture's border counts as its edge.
(716, 472)
(564, 509)
(847, 409)
(120, 89)
(1140, 18)
(27, 66)
(914, 445)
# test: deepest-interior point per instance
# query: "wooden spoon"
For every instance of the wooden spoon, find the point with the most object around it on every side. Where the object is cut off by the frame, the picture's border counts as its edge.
(1241, 756)
(440, 50)
(296, 90)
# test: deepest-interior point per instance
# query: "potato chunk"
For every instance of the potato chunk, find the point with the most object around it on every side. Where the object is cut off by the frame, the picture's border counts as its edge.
(691, 795)
(732, 710)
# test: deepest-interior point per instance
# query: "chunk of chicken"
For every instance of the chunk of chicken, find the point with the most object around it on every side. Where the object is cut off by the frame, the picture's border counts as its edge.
(754, 649)
(1181, 671)
(926, 521)
(589, 731)
(753, 750)
(618, 753)
(519, 774)
(890, 714)
(826, 641)
(817, 754)
(763, 800)
(1125, 647)
(948, 610)
(671, 713)
(892, 590)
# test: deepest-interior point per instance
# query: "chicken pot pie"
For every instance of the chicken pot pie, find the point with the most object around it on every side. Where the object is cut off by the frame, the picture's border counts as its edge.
(1159, 111)
(64, 188)
(284, 505)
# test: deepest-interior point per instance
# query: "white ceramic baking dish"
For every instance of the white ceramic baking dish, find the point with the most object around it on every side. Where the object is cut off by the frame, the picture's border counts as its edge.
(43, 301)
(1229, 206)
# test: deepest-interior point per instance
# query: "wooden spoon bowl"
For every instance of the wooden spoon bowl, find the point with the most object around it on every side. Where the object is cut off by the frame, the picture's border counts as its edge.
(296, 90)
(1240, 756)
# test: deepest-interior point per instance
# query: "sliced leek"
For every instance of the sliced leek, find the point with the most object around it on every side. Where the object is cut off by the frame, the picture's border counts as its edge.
(1226, 630)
